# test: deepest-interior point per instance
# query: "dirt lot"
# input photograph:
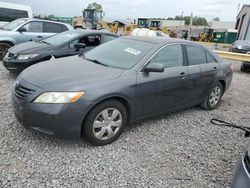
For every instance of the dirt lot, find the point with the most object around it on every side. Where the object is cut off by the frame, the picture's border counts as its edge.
(178, 150)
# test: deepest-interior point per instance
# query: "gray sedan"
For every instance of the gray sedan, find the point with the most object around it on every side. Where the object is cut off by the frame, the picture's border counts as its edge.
(119, 82)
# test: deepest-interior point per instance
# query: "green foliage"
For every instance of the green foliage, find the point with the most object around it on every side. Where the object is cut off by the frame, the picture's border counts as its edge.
(216, 19)
(196, 20)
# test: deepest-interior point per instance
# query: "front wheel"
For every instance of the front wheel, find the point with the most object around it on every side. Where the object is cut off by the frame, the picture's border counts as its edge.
(213, 97)
(105, 123)
(3, 49)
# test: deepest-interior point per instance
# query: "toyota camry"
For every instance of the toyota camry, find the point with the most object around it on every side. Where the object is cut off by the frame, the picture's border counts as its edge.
(119, 82)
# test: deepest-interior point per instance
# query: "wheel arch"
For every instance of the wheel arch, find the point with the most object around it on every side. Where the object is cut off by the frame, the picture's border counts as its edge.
(9, 41)
(223, 83)
(123, 100)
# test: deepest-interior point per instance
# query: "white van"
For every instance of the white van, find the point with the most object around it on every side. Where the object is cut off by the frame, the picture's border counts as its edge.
(10, 12)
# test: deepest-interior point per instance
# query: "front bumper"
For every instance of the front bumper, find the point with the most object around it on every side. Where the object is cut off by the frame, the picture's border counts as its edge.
(16, 66)
(241, 178)
(59, 120)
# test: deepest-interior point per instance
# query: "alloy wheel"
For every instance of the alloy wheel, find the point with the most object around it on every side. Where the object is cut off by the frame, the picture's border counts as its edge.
(215, 96)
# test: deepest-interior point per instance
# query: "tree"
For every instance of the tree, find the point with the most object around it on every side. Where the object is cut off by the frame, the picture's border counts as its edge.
(170, 18)
(216, 19)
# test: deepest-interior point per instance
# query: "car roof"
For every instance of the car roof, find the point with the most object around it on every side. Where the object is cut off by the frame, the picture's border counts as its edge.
(91, 31)
(159, 40)
(36, 19)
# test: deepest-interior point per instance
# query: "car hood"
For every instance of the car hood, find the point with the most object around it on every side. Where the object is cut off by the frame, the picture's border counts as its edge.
(68, 74)
(30, 48)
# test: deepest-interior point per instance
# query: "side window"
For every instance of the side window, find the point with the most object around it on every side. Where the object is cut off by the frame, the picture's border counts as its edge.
(92, 40)
(210, 58)
(106, 38)
(196, 55)
(34, 27)
(53, 28)
(170, 56)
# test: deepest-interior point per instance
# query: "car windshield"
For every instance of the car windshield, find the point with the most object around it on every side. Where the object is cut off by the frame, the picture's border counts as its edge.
(119, 53)
(60, 38)
(12, 25)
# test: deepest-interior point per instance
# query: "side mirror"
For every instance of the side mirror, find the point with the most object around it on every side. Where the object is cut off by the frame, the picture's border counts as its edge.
(79, 45)
(154, 67)
(22, 29)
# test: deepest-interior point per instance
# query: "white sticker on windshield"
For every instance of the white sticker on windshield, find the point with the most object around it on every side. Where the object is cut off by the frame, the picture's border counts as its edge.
(133, 51)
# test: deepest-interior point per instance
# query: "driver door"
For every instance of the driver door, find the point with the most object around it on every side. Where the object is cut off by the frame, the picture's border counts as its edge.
(34, 32)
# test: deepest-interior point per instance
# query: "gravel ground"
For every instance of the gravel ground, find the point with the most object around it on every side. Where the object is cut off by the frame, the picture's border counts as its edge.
(178, 150)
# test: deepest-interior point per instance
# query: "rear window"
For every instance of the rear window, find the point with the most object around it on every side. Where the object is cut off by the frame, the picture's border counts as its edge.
(196, 55)
(54, 28)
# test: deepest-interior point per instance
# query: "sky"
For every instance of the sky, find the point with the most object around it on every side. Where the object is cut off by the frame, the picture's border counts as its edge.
(226, 10)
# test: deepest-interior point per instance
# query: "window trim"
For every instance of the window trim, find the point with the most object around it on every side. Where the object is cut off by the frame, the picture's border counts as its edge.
(183, 56)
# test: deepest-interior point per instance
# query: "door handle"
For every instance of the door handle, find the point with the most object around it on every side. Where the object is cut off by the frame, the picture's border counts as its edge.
(183, 75)
(40, 37)
(215, 69)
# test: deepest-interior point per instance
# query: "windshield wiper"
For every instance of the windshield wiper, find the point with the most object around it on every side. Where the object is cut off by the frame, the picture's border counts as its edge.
(96, 61)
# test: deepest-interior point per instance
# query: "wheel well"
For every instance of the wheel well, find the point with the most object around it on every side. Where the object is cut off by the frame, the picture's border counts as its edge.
(120, 99)
(8, 42)
(223, 83)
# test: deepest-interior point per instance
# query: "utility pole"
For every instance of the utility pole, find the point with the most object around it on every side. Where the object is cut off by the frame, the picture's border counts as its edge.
(181, 17)
(190, 26)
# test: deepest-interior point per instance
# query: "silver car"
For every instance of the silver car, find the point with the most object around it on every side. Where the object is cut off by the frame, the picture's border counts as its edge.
(25, 29)
(241, 178)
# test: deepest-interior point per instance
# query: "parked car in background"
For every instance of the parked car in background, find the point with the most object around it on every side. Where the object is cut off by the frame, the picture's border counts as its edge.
(242, 46)
(63, 44)
(121, 81)
(241, 178)
(10, 12)
(24, 29)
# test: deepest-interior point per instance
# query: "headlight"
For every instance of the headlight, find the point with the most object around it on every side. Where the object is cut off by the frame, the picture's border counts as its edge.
(239, 47)
(59, 97)
(28, 56)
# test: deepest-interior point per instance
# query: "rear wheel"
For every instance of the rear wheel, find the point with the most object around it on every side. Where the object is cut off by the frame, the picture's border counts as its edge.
(213, 97)
(243, 67)
(3, 49)
(105, 123)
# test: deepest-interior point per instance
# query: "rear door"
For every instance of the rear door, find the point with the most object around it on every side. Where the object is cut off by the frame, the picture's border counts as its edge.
(201, 74)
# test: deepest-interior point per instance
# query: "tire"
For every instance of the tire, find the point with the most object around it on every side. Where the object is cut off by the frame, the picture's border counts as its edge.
(213, 97)
(243, 68)
(3, 49)
(100, 128)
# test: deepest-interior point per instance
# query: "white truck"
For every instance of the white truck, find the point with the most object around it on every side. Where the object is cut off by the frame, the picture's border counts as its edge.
(10, 12)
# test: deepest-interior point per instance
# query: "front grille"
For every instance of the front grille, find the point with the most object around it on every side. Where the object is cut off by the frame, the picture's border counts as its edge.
(21, 92)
